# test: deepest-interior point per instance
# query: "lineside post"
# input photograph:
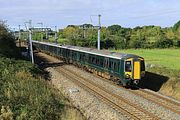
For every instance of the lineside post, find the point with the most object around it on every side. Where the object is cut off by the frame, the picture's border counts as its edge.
(99, 30)
(55, 37)
(19, 36)
(31, 48)
(30, 41)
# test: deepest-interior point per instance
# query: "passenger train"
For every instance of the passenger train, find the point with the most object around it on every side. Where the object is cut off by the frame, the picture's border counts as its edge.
(127, 69)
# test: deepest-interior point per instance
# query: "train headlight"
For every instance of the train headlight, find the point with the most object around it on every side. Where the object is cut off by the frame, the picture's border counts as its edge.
(142, 74)
(127, 76)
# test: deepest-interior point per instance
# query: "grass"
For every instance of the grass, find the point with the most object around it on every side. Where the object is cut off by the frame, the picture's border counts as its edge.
(162, 57)
(60, 40)
(63, 40)
(169, 78)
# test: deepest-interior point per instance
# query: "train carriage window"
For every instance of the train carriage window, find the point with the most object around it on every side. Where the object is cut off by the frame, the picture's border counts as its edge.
(115, 66)
(84, 57)
(89, 59)
(101, 62)
(97, 61)
(118, 63)
(128, 66)
(93, 60)
(58, 51)
(106, 63)
(80, 57)
(67, 53)
(74, 55)
(111, 64)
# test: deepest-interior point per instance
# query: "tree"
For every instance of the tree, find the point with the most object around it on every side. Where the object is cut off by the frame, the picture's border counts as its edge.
(107, 43)
(163, 42)
(86, 26)
(113, 29)
(72, 33)
(176, 26)
(7, 42)
(118, 37)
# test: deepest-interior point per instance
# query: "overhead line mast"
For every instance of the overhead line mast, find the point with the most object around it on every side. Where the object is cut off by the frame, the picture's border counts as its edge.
(99, 31)
(30, 40)
(55, 37)
(19, 35)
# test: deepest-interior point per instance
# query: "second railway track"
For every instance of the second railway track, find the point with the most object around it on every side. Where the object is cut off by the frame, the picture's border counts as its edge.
(128, 109)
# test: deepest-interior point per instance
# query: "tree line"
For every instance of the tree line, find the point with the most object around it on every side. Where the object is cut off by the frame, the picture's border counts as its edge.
(118, 37)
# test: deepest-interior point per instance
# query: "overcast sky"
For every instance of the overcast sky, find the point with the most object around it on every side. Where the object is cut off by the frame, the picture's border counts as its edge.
(127, 13)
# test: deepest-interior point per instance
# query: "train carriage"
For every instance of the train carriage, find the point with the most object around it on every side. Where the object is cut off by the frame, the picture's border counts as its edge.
(127, 68)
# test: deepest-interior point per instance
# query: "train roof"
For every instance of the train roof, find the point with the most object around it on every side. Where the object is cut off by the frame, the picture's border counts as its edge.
(116, 55)
(103, 52)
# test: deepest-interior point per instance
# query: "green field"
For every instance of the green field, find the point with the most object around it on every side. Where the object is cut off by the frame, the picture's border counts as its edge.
(169, 58)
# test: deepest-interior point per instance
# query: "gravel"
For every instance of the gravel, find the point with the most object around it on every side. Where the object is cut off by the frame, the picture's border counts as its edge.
(87, 103)
(144, 103)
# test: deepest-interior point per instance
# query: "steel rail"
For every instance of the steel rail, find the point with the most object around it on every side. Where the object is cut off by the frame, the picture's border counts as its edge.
(114, 100)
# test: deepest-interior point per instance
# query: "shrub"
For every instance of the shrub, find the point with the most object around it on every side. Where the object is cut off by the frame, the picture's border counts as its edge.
(28, 97)
(7, 43)
(164, 43)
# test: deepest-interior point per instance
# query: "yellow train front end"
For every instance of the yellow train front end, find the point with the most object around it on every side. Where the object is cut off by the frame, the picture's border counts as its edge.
(134, 70)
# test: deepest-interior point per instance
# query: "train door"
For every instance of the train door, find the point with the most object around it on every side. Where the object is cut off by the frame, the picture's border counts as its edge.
(137, 70)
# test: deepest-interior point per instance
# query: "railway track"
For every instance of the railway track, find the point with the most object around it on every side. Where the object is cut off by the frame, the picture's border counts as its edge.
(129, 109)
(161, 101)
(153, 97)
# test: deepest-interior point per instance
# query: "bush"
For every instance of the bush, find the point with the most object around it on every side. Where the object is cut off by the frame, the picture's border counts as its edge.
(24, 96)
(7, 43)
(164, 43)
(135, 44)
(176, 43)
(107, 43)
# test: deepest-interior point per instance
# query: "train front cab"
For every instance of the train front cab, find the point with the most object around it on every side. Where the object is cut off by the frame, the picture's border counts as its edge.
(134, 70)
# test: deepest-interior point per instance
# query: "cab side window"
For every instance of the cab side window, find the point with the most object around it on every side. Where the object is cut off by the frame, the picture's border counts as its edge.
(142, 65)
(128, 66)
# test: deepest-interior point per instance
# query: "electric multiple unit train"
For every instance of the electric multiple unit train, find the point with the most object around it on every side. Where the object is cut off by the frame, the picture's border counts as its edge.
(125, 68)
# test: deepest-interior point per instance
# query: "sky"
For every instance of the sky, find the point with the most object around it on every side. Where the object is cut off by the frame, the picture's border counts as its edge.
(127, 13)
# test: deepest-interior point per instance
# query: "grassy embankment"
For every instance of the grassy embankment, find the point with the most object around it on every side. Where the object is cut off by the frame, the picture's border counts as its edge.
(163, 66)
(24, 95)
